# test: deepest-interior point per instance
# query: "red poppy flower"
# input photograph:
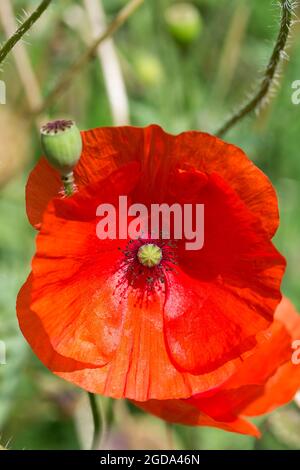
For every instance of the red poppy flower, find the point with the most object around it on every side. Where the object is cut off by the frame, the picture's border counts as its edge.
(88, 310)
(267, 379)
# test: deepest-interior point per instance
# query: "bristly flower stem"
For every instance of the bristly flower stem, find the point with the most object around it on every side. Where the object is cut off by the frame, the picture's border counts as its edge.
(270, 73)
(12, 41)
(98, 420)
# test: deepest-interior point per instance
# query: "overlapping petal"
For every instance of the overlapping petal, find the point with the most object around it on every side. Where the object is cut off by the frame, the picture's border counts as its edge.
(237, 270)
(106, 149)
(267, 379)
(140, 368)
(186, 339)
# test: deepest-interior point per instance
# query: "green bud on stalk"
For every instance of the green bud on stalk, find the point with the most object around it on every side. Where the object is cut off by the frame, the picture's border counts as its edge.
(149, 69)
(184, 22)
(62, 145)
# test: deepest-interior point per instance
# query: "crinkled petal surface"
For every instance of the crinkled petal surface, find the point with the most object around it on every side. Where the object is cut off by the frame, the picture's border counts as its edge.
(267, 379)
(237, 270)
(77, 301)
(96, 329)
(73, 272)
(137, 367)
(283, 384)
(106, 149)
(182, 412)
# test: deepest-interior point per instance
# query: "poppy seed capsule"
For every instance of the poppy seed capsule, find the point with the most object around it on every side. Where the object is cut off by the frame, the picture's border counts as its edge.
(184, 22)
(149, 255)
(62, 144)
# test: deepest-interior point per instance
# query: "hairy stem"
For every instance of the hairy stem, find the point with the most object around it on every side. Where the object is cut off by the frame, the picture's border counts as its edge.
(89, 54)
(270, 73)
(12, 41)
(22, 61)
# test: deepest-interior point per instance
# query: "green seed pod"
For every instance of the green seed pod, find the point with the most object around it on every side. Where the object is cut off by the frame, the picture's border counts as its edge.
(184, 22)
(149, 255)
(62, 145)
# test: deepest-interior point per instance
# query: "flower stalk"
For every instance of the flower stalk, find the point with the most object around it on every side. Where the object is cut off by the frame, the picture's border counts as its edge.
(12, 41)
(98, 421)
(270, 74)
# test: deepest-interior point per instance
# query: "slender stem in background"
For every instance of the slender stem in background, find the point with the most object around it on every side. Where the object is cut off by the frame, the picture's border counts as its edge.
(231, 51)
(12, 41)
(98, 420)
(109, 61)
(270, 73)
(89, 54)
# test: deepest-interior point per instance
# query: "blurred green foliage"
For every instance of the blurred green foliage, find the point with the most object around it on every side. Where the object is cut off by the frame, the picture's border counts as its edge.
(180, 88)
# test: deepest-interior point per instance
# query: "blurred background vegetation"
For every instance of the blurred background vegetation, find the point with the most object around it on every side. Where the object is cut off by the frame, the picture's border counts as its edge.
(181, 86)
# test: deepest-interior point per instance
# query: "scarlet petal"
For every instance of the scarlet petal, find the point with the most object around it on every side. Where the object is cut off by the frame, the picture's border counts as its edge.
(78, 302)
(182, 412)
(106, 149)
(204, 327)
(266, 379)
(97, 333)
(235, 245)
(279, 390)
(73, 274)
(209, 154)
(33, 330)
(285, 382)
(136, 369)
(43, 184)
(220, 297)
(288, 316)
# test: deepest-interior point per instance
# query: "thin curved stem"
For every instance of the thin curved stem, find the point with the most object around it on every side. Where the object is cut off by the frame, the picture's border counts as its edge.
(12, 41)
(98, 420)
(270, 72)
(89, 54)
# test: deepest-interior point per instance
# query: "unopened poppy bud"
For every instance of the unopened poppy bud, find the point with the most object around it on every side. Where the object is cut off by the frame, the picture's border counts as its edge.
(149, 69)
(62, 145)
(184, 22)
